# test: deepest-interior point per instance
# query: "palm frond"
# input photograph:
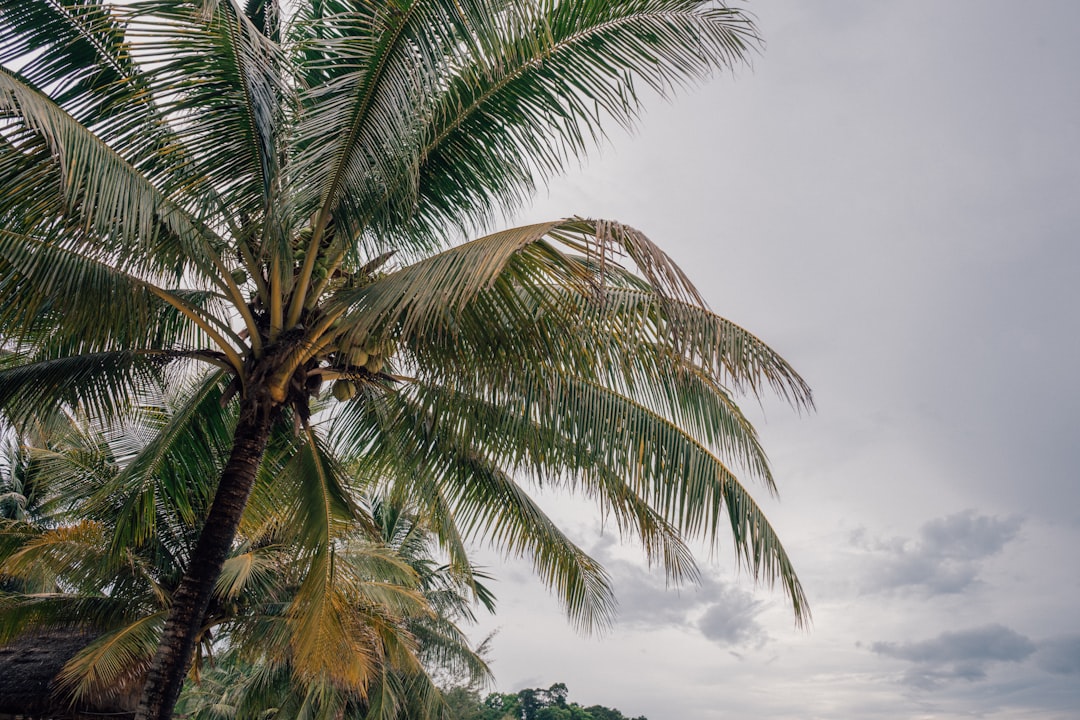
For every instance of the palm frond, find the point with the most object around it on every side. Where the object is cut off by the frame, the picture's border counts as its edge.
(256, 568)
(103, 384)
(77, 50)
(72, 552)
(520, 271)
(431, 459)
(112, 661)
(371, 73)
(325, 639)
(568, 430)
(49, 290)
(424, 296)
(215, 77)
(551, 73)
(727, 352)
(96, 189)
(62, 610)
(165, 486)
(319, 505)
(443, 645)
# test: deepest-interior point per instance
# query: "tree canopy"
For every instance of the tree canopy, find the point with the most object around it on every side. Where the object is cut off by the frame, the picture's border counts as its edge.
(527, 704)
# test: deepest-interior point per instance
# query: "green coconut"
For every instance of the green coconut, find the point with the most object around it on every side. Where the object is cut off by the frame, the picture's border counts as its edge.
(343, 390)
(358, 357)
(374, 364)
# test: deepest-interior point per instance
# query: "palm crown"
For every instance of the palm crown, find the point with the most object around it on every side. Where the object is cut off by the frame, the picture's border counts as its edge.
(281, 192)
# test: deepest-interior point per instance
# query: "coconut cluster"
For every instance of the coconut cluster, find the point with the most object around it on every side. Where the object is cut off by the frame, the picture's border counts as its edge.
(369, 357)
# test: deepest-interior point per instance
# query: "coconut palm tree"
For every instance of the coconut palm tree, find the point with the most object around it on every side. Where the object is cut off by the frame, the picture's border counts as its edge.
(281, 192)
(291, 633)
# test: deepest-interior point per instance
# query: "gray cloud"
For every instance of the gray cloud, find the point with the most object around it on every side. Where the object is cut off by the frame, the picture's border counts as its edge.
(992, 642)
(961, 655)
(1060, 656)
(967, 536)
(723, 612)
(730, 618)
(946, 557)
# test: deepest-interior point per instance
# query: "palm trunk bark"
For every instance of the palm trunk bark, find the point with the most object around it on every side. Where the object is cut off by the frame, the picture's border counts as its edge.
(192, 598)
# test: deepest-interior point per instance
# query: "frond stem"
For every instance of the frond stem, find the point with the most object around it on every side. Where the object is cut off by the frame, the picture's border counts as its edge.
(235, 361)
(276, 290)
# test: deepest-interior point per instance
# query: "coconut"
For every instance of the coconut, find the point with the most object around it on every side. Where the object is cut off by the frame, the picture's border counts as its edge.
(358, 357)
(344, 390)
(374, 364)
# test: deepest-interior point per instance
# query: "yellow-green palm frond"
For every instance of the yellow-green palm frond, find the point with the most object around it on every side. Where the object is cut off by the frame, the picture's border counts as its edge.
(113, 661)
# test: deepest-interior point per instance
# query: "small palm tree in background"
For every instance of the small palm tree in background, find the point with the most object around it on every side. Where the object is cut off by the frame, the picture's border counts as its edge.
(280, 194)
(298, 638)
(250, 683)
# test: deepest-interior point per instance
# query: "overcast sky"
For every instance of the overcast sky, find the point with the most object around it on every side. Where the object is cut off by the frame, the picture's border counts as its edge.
(890, 196)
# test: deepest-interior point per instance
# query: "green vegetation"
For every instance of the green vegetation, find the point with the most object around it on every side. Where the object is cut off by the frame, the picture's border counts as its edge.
(529, 704)
(292, 626)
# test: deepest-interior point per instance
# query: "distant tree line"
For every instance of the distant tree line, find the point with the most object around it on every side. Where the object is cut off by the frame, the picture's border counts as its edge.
(528, 704)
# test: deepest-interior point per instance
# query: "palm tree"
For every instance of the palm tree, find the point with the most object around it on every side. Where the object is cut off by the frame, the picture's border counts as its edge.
(280, 192)
(250, 682)
(292, 636)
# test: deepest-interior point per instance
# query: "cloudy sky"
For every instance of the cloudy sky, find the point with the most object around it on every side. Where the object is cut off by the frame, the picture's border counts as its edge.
(890, 196)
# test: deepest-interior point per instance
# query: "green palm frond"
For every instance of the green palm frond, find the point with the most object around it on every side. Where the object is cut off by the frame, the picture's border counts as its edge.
(372, 72)
(423, 298)
(601, 345)
(62, 610)
(105, 384)
(577, 429)
(439, 518)
(86, 302)
(324, 506)
(515, 284)
(445, 646)
(215, 80)
(515, 274)
(551, 73)
(93, 187)
(660, 539)
(169, 478)
(727, 352)
(388, 699)
(482, 499)
(78, 50)
(379, 577)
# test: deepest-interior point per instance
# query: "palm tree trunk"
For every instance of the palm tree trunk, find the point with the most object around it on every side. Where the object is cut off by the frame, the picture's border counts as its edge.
(192, 598)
